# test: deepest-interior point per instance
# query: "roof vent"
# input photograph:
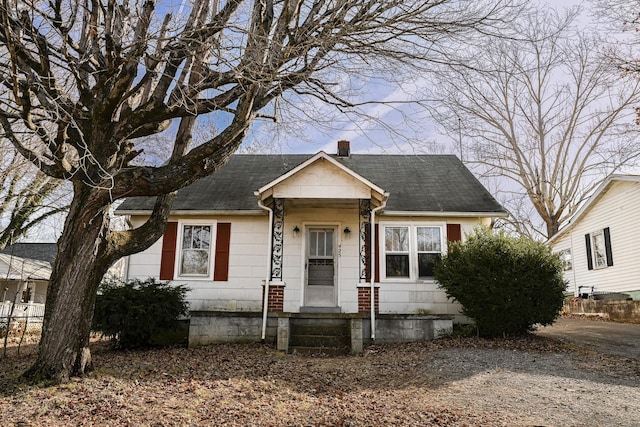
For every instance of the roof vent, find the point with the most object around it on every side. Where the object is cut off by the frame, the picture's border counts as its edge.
(343, 148)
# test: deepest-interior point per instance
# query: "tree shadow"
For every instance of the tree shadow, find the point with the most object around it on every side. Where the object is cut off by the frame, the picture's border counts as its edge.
(429, 365)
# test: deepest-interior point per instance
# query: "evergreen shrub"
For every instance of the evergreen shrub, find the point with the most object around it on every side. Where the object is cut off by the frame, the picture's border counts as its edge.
(505, 284)
(133, 313)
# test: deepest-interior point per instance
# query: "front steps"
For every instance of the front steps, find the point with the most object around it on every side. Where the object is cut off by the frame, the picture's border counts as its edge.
(319, 334)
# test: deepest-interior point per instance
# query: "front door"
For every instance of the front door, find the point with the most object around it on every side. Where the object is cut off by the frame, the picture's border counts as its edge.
(320, 271)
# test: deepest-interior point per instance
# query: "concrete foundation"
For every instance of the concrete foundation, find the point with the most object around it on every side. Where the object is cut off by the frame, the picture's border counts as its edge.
(215, 327)
(392, 328)
(211, 327)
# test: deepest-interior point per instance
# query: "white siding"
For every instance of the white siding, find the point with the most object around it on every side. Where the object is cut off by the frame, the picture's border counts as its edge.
(618, 209)
(347, 249)
(322, 180)
(247, 268)
(248, 265)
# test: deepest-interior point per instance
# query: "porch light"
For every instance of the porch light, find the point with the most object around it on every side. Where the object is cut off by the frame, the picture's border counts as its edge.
(347, 231)
(296, 231)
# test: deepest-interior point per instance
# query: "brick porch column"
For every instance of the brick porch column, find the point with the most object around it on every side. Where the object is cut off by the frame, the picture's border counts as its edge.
(276, 297)
(364, 299)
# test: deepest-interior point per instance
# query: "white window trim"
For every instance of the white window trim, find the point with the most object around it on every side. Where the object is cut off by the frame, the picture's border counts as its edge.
(594, 256)
(570, 261)
(212, 249)
(413, 249)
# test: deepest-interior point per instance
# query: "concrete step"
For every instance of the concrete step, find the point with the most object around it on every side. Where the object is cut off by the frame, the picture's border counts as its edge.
(320, 341)
(320, 335)
(307, 329)
(327, 351)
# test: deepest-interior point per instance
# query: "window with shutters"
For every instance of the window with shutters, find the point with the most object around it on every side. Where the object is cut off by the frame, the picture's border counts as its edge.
(410, 251)
(599, 251)
(196, 250)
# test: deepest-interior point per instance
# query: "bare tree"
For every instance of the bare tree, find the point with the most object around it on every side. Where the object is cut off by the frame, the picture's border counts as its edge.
(84, 81)
(544, 114)
(622, 19)
(28, 197)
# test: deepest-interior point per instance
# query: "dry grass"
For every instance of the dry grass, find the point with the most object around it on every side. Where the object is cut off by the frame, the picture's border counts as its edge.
(409, 384)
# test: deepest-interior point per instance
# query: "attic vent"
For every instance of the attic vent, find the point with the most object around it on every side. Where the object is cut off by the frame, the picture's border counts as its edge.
(343, 148)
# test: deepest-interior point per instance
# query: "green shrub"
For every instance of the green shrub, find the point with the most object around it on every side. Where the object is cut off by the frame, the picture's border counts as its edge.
(505, 284)
(133, 313)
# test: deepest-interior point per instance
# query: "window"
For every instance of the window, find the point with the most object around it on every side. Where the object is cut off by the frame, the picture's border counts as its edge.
(396, 245)
(599, 253)
(429, 249)
(189, 250)
(565, 259)
(411, 251)
(196, 250)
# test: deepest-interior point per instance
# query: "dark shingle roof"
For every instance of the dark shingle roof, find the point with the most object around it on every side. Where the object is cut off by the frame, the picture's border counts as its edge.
(38, 251)
(416, 183)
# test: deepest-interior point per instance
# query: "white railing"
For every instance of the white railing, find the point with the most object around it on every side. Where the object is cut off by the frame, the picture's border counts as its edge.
(32, 311)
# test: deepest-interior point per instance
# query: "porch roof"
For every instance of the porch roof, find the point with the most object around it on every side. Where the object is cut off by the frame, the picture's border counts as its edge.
(16, 268)
(415, 183)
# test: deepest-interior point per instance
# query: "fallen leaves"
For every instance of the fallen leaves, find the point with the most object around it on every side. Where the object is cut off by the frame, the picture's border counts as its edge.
(430, 384)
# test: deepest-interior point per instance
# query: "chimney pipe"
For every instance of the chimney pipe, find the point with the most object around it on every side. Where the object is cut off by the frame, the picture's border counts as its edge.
(344, 150)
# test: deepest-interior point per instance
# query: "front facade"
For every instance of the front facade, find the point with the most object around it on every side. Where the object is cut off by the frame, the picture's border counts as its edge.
(598, 247)
(300, 226)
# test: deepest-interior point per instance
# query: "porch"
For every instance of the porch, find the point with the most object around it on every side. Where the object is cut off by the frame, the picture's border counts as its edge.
(327, 333)
(320, 236)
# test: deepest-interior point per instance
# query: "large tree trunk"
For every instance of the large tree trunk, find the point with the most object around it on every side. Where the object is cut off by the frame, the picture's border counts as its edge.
(77, 272)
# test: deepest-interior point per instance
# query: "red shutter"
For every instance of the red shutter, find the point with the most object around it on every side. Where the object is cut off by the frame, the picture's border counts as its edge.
(168, 257)
(221, 263)
(454, 233)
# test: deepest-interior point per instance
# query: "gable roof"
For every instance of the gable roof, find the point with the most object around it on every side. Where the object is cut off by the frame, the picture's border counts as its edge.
(415, 183)
(592, 201)
(310, 161)
(35, 251)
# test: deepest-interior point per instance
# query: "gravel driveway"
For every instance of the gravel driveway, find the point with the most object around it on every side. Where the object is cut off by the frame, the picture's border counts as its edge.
(550, 389)
(622, 339)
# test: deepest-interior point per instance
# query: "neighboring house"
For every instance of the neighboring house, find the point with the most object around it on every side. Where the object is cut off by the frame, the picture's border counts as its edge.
(301, 225)
(599, 245)
(25, 269)
(30, 271)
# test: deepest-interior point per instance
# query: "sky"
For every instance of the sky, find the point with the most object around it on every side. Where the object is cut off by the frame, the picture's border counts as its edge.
(395, 127)
(407, 128)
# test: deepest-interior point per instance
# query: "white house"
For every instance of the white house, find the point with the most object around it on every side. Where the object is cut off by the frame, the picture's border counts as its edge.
(301, 226)
(25, 269)
(598, 246)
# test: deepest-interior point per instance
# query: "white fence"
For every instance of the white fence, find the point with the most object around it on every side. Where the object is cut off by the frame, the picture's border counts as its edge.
(25, 316)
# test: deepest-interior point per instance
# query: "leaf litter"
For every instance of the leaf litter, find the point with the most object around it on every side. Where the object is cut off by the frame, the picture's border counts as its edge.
(446, 382)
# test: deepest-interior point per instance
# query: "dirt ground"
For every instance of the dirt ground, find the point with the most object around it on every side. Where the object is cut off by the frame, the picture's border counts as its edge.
(449, 382)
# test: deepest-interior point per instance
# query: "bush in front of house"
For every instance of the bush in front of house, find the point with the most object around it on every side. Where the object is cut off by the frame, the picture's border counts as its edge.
(505, 284)
(134, 313)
